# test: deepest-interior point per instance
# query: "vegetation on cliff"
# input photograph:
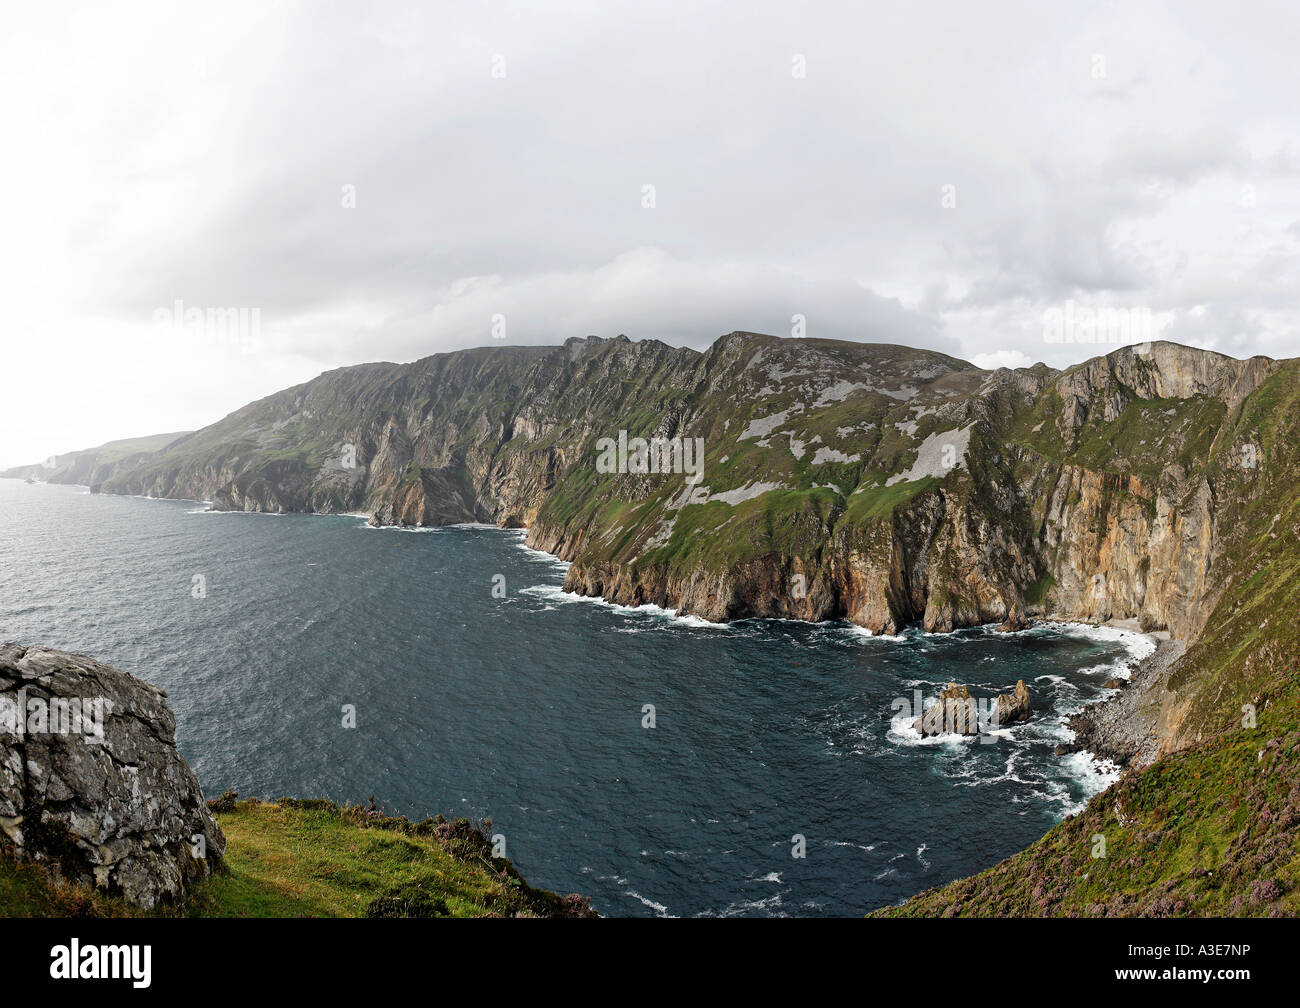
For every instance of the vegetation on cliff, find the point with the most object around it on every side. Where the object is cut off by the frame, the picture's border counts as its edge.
(293, 858)
(92, 466)
(1208, 831)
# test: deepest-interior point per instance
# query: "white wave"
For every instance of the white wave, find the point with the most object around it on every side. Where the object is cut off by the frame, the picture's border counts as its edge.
(659, 909)
(428, 529)
(739, 909)
(902, 732)
(1139, 645)
(168, 500)
(847, 843)
(555, 593)
(861, 632)
(543, 556)
(1093, 774)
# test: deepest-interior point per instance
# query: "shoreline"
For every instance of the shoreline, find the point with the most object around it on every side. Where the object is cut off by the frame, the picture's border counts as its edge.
(1117, 729)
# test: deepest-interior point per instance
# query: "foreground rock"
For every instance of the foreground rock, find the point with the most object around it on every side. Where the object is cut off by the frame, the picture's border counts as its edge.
(91, 783)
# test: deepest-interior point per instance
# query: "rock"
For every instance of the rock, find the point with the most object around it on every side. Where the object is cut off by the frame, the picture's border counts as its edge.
(1016, 620)
(1113, 683)
(954, 713)
(1009, 708)
(91, 783)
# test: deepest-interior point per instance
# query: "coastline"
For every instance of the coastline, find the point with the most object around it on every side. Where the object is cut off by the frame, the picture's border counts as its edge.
(1135, 662)
(1120, 728)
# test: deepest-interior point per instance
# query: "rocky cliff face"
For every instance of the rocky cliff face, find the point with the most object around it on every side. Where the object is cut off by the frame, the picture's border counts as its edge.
(868, 482)
(91, 783)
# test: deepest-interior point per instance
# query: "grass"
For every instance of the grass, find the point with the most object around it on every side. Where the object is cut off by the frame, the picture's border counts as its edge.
(294, 858)
(1210, 832)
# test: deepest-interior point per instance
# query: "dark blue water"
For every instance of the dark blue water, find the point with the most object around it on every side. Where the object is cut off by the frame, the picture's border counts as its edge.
(528, 709)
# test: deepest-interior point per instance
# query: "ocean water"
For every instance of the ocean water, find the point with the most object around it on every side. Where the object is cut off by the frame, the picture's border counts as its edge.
(529, 708)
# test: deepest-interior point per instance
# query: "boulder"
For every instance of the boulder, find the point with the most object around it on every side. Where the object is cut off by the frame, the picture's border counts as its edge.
(1009, 708)
(91, 783)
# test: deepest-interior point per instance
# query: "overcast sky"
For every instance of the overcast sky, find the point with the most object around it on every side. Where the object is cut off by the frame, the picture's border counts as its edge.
(378, 181)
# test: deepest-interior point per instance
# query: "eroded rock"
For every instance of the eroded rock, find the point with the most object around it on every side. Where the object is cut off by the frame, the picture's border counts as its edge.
(954, 713)
(1009, 708)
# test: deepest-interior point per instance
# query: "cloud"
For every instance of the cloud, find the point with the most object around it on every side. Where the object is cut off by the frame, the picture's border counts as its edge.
(940, 176)
(1001, 359)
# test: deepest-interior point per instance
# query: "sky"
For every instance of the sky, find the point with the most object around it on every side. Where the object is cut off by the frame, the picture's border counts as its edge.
(205, 203)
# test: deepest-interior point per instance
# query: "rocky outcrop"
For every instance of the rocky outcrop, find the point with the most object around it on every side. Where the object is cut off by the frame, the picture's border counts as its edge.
(1157, 370)
(91, 783)
(955, 713)
(1011, 708)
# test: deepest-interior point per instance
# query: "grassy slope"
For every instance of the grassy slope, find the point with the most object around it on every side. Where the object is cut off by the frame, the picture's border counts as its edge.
(1210, 831)
(1213, 829)
(314, 859)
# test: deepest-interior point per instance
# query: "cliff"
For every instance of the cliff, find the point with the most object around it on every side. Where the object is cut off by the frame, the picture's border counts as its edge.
(875, 483)
(91, 785)
(816, 479)
(94, 465)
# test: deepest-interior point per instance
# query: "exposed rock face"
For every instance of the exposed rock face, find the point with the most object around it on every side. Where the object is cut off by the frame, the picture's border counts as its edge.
(91, 783)
(1009, 708)
(1134, 726)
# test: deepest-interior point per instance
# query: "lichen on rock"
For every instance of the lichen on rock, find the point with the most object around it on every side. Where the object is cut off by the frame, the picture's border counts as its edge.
(91, 783)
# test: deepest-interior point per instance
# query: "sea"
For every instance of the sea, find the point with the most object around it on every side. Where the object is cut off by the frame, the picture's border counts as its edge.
(659, 764)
